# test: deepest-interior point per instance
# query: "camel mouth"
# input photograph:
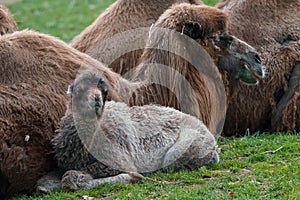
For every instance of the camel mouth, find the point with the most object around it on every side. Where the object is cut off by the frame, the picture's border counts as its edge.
(98, 108)
(95, 102)
(251, 75)
(250, 81)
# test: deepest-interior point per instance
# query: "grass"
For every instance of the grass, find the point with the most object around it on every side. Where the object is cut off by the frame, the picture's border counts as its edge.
(252, 167)
(262, 166)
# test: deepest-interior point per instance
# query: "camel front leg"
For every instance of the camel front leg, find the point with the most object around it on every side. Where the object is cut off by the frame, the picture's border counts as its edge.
(76, 180)
(285, 117)
(124, 178)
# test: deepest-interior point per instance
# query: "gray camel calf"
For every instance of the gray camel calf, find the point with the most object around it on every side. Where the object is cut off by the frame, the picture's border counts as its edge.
(108, 142)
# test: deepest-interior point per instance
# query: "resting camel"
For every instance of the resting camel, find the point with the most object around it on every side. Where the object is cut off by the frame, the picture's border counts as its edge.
(120, 17)
(124, 141)
(253, 72)
(7, 22)
(275, 32)
(206, 26)
(37, 68)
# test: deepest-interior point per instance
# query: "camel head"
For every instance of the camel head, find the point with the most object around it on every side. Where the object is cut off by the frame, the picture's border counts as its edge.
(89, 93)
(230, 54)
(208, 26)
(239, 59)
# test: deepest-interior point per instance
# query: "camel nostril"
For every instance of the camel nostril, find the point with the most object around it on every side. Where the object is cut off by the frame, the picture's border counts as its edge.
(98, 103)
(97, 99)
(258, 59)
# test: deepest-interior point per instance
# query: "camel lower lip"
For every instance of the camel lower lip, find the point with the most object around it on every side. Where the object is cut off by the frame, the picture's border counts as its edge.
(250, 82)
(257, 76)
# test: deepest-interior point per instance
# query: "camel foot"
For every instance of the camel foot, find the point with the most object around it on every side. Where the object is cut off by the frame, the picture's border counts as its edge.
(48, 183)
(76, 180)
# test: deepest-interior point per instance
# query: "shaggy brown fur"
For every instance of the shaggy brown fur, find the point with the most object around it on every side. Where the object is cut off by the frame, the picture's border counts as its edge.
(35, 71)
(275, 20)
(207, 97)
(123, 15)
(275, 32)
(7, 22)
(43, 66)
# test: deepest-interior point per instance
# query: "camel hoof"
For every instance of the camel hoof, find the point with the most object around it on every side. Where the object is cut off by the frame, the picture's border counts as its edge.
(214, 159)
(40, 190)
(75, 180)
(135, 177)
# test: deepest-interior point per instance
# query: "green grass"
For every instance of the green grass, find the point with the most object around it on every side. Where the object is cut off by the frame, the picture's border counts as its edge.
(252, 167)
(61, 18)
(210, 2)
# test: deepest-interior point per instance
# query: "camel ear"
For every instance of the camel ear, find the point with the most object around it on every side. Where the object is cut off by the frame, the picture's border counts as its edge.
(193, 29)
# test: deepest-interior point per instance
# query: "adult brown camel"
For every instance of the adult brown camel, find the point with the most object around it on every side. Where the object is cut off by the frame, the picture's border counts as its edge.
(273, 28)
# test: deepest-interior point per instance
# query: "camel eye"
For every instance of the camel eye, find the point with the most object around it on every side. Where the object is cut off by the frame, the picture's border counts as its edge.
(226, 39)
(223, 40)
